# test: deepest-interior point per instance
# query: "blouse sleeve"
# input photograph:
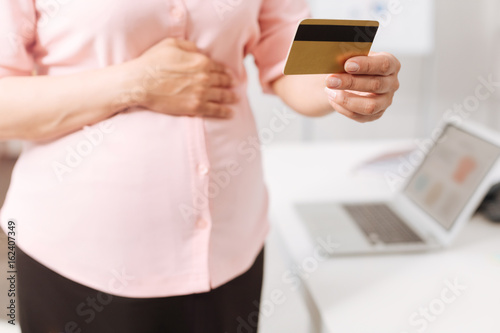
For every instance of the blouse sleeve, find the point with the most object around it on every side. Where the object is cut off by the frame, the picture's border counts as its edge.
(17, 37)
(278, 22)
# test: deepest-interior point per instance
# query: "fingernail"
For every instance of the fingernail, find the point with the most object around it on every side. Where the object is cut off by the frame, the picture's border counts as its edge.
(352, 67)
(333, 82)
(331, 93)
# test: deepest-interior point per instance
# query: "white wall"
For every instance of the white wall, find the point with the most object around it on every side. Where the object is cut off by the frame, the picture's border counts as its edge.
(467, 49)
(467, 46)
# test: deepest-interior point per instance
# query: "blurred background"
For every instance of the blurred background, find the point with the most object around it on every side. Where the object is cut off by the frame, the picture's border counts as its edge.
(447, 49)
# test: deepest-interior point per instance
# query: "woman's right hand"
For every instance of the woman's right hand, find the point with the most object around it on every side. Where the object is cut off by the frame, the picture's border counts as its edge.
(175, 78)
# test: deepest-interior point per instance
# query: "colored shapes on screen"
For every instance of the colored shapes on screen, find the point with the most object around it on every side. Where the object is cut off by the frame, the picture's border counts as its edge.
(466, 166)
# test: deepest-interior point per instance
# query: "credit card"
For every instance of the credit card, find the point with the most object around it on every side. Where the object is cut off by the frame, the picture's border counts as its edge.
(323, 46)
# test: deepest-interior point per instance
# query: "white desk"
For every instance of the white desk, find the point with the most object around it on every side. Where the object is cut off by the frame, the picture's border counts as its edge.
(371, 294)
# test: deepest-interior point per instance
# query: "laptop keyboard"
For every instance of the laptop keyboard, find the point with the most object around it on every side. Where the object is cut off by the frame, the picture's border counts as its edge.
(381, 224)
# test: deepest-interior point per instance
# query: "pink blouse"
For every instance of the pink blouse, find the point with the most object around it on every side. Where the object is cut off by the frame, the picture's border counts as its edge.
(144, 204)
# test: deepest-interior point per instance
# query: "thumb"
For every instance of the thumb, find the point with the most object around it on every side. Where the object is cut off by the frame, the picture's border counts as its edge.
(187, 45)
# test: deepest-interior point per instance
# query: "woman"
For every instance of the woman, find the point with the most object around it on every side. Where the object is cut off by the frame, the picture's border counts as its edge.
(137, 112)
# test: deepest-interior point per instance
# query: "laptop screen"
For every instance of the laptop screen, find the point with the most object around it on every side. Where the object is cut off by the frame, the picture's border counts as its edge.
(450, 174)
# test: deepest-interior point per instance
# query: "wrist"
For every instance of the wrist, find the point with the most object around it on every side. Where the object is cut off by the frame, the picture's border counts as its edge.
(131, 91)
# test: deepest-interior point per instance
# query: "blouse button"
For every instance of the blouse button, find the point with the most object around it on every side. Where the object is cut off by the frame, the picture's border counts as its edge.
(201, 224)
(177, 13)
(202, 169)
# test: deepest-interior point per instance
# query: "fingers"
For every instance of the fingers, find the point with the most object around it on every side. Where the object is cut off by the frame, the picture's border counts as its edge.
(222, 80)
(216, 86)
(365, 83)
(356, 116)
(375, 64)
(185, 45)
(215, 104)
(216, 67)
(202, 63)
(215, 110)
(206, 62)
(182, 44)
(221, 96)
(200, 60)
(213, 97)
(367, 90)
(361, 104)
(214, 92)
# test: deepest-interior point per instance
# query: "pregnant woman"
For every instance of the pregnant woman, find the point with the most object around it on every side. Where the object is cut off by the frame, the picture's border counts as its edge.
(137, 204)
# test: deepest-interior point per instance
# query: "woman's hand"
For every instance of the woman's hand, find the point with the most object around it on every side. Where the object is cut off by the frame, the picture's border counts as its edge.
(172, 77)
(367, 90)
(175, 78)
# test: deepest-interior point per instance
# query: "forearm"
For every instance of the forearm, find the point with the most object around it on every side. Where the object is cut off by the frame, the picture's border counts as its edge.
(304, 93)
(45, 107)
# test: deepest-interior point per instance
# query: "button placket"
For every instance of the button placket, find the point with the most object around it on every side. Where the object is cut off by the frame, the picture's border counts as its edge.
(177, 13)
(178, 18)
(203, 170)
(201, 223)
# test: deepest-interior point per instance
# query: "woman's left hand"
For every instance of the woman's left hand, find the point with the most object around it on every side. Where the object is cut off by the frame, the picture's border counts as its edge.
(367, 89)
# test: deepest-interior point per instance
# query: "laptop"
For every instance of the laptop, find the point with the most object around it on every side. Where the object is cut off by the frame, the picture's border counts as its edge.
(437, 199)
